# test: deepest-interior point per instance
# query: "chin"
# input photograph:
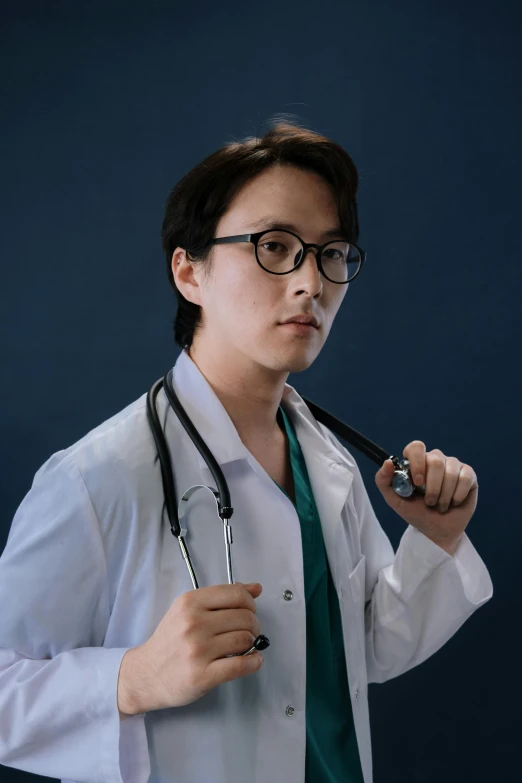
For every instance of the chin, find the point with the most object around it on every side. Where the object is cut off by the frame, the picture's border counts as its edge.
(292, 359)
(298, 364)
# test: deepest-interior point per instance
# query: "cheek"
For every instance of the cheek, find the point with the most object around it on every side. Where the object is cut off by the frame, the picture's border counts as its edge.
(335, 302)
(331, 309)
(243, 293)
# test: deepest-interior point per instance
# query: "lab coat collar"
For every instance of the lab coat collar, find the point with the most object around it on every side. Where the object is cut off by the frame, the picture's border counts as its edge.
(218, 431)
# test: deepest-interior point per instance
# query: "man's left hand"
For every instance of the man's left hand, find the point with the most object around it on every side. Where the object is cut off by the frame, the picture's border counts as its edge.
(450, 499)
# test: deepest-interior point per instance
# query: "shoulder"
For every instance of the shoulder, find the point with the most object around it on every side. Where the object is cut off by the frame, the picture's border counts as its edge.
(117, 446)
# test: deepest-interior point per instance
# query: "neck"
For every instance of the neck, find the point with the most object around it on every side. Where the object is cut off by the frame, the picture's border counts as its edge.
(249, 392)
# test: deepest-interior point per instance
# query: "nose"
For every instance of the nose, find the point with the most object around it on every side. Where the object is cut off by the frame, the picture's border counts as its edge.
(309, 271)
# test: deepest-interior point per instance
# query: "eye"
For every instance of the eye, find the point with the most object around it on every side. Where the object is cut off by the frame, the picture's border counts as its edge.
(265, 245)
(331, 253)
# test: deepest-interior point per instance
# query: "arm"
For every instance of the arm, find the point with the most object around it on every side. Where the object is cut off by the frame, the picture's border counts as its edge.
(58, 685)
(417, 598)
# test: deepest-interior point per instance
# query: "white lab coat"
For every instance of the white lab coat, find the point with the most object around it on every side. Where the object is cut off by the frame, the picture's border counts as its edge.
(89, 570)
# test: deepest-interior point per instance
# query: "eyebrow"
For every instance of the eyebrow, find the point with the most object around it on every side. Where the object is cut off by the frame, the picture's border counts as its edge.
(270, 223)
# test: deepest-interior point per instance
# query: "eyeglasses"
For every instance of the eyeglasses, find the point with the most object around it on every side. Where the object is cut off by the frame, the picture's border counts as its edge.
(280, 252)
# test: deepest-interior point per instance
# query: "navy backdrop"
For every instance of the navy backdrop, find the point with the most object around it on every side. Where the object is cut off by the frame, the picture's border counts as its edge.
(106, 105)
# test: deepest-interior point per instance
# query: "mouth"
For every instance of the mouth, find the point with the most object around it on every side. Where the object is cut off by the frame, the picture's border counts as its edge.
(299, 328)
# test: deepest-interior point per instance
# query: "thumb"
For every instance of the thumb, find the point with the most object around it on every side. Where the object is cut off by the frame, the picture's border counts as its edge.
(384, 475)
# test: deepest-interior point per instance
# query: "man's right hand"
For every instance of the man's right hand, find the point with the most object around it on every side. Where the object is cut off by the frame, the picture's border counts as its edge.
(185, 656)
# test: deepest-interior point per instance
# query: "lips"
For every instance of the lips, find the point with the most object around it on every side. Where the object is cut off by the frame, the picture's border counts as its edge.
(303, 319)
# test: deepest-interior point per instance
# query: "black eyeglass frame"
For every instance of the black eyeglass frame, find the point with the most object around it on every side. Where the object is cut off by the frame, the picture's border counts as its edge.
(254, 238)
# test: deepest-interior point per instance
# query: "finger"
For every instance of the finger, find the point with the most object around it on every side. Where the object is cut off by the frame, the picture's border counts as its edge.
(234, 596)
(227, 669)
(384, 476)
(226, 620)
(467, 480)
(229, 644)
(449, 483)
(435, 469)
(415, 453)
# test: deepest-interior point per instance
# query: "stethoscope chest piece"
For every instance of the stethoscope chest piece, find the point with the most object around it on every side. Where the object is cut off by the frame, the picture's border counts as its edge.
(401, 481)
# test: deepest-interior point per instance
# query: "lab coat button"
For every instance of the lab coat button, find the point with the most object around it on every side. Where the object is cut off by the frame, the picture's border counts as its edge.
(290, 710)
(357, 693)
(288, 595)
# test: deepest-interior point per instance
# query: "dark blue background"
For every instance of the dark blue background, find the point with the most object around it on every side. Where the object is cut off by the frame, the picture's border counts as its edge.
(106, 105)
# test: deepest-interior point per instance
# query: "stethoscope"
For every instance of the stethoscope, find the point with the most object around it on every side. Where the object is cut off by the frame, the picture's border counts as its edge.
(402, 481)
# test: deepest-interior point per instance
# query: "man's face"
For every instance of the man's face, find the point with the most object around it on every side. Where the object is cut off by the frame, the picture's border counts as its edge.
(243, 306)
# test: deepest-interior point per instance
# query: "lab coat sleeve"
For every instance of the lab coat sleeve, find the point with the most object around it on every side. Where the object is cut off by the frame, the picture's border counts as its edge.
(58, 685)
(416, 598)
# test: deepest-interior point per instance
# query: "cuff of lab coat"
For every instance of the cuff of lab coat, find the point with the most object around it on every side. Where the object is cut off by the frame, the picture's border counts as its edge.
(473, 573)
(124, 750)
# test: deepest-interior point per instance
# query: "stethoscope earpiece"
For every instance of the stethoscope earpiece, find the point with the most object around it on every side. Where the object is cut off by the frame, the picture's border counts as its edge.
(261, 643)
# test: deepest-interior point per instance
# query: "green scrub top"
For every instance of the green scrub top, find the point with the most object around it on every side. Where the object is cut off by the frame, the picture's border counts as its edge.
(332, 754)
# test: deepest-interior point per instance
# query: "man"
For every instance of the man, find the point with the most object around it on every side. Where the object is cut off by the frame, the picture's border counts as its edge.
(112, 667)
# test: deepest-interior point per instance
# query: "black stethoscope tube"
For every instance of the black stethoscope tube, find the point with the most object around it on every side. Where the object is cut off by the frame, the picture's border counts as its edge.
(402, 482)
(363, 444)
(360, 442)
(225, 510)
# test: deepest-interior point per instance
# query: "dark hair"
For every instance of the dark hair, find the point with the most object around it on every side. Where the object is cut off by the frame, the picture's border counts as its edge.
(198, 201)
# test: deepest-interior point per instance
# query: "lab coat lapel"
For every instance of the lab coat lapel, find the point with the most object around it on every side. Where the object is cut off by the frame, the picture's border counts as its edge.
(207, 413)
(330, 472)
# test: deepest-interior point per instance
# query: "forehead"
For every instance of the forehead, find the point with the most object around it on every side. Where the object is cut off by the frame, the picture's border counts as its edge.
(285, 192)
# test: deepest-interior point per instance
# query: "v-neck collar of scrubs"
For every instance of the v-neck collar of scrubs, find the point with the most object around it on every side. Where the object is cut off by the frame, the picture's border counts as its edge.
(332, 754)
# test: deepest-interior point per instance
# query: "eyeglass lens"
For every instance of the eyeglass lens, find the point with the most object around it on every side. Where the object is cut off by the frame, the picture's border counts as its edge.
(279, 252)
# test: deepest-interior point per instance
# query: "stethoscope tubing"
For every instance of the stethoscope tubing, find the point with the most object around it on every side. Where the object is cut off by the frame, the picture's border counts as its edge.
(402, 482)
(177, 515)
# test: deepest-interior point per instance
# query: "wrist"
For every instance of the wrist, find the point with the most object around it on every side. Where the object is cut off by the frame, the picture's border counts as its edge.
(128, 692)
(448, 545)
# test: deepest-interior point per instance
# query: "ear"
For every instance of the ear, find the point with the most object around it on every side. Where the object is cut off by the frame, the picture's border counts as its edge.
(184, 276)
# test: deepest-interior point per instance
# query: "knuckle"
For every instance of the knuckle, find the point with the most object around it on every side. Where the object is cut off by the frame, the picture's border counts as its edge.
(247, 601)
(187, 625)
(436, 460)
(244, 640)
(453, 473)
(248, 621)
(244, 665)
(239, 665)
(416, 444)
(239, 592)
(240, 641)
(193, 651)
(454, 464)
(184, 602)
